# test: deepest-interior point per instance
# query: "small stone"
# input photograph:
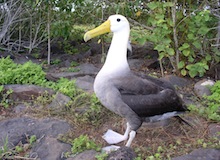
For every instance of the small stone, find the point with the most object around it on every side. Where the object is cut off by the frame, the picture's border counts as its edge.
(26, 92)
(201, 88)
(201, 154)
(59, 101)
(50, 148)
(123, 153)
(86, 155)
(177, 81)
(85, 83)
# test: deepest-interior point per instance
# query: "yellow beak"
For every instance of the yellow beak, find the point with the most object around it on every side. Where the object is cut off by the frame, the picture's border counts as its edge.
(102, 29)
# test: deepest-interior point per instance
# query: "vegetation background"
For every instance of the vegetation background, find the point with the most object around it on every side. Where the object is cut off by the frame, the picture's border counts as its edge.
(185, 32)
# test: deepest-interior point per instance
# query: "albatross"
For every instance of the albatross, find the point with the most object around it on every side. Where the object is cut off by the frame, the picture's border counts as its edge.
(136, 98)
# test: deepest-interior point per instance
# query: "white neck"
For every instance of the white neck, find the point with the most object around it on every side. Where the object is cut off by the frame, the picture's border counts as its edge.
(116, 61)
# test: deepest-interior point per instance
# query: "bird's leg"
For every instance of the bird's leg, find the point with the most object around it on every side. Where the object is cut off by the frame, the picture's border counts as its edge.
(113, 137)
(131, 137)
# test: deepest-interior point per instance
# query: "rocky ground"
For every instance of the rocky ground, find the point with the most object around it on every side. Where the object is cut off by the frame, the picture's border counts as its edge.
(18, 124)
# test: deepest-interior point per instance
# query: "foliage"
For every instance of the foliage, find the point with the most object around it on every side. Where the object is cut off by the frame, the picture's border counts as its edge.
(182, 37)
(31, 73)
(101, 156)
(211, 104)
(95, 113)
(4, 97)
(28, 73)
(83, 143)
(4, 149)
(10, 153)
(32, 139)
(195, 46)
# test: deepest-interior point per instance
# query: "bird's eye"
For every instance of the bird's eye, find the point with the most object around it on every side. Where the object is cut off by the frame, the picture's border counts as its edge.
(118, 19)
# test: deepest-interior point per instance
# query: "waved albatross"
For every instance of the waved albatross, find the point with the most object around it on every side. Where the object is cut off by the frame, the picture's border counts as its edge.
(136, 98)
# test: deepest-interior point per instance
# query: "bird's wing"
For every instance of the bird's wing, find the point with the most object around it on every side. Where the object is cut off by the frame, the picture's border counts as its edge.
(146, 97)
(133, 85)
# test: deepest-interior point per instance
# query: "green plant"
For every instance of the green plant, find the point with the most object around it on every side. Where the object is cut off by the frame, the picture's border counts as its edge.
(211, 104)
(194, 47)
(101, 156)
(4, 97)
(56, 61)
(27, 73)
(66, 87)
(18, 149)
(4, 149)
(74, 64)
(94, 113)
(83, 143)
(183, 38)
(32, 139)
(73, 69)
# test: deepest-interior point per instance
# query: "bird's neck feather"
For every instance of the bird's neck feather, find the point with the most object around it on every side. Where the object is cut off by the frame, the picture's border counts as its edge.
(116, 60)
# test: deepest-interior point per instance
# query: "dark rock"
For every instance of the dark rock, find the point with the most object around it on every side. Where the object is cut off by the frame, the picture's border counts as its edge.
(87, 68)
(59, 101)
(19, 108)
(84, 69)
(201, 88)
(15, 128)
(85, 83)
(26, 92)
(86, 155)
(201, 154)
(123, 153)
(135, 63)
(50, 149)
(177, 81)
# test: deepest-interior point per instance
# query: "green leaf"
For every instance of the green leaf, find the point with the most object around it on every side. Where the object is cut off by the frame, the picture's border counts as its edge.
(161, 55)
(168, 4)
(186, 52)
(208, 57)
(203, 30)
(170, 22)
(206, 67)
(189, 66)
(183, 72)
(192, 73)
(141, 40)
(181, 64)
(191, 36)
(159, 21)
(159, 48)
(197, 44)
(190, 59)
(170, 51)
(152, 5)
(184, 46)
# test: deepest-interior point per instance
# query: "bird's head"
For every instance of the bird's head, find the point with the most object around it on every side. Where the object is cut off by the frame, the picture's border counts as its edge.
(115, 23)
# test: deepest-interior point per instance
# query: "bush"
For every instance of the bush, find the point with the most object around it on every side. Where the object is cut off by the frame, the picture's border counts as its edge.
(28, 73)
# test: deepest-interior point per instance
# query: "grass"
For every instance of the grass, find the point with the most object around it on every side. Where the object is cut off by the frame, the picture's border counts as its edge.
(20, 151)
